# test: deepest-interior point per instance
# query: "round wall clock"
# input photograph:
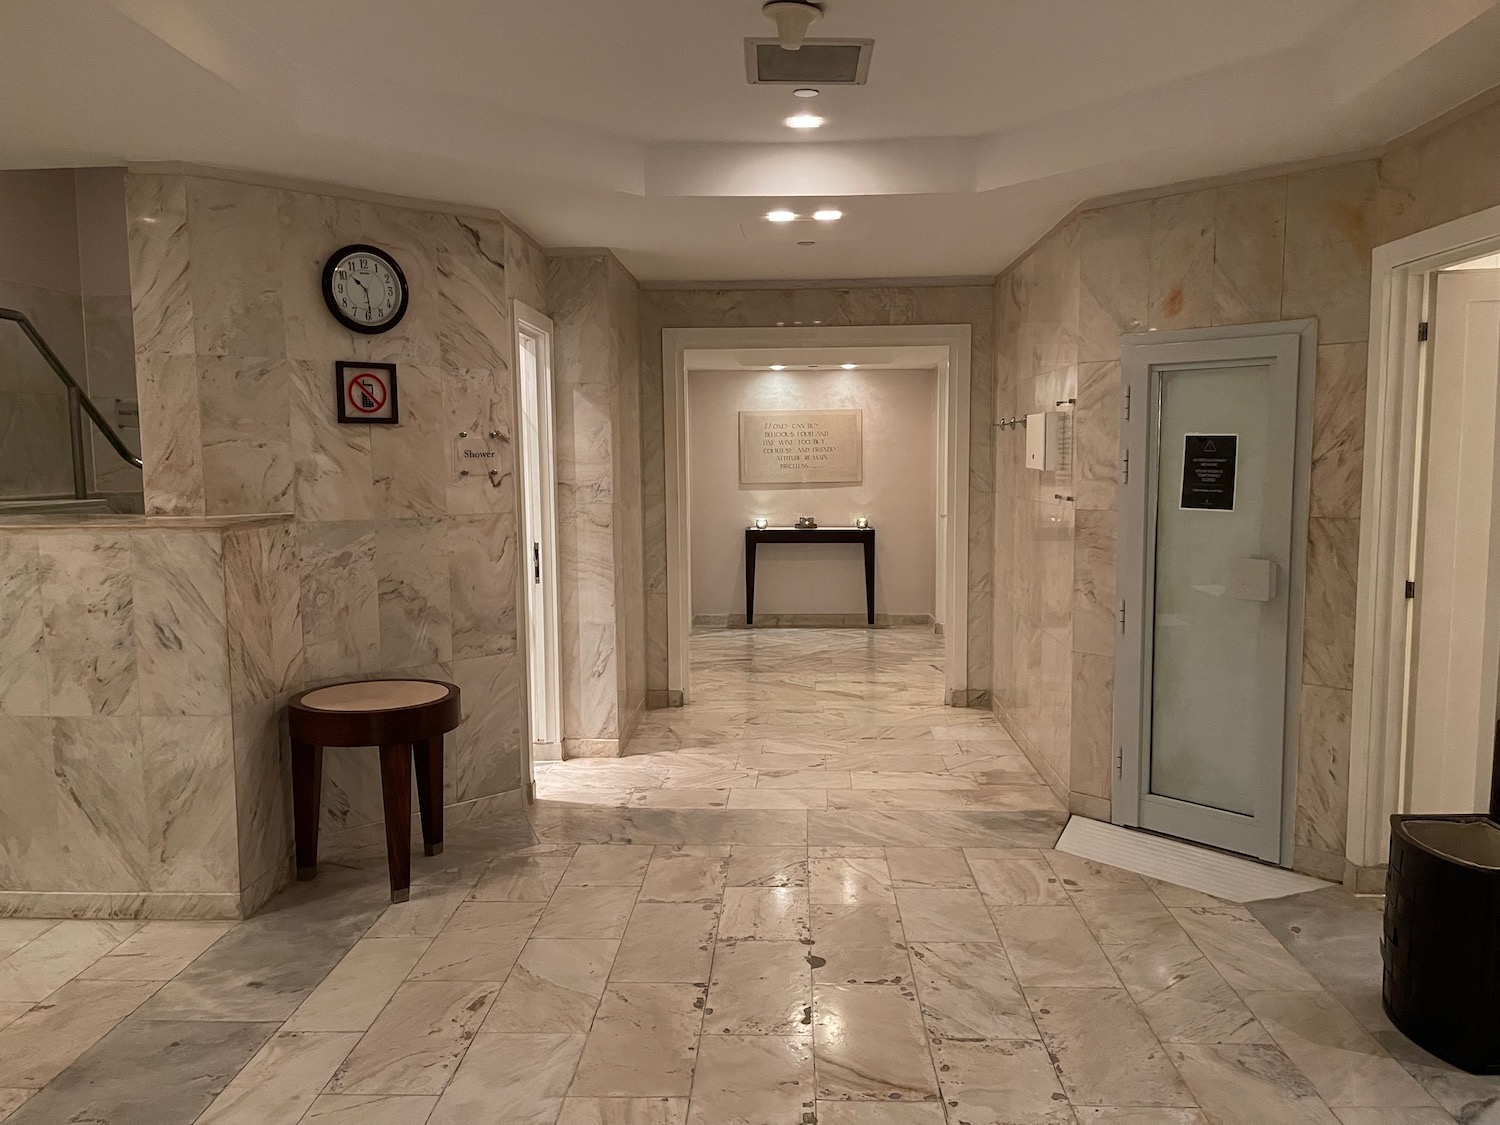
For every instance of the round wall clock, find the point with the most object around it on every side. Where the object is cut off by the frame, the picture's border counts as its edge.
(365, 289)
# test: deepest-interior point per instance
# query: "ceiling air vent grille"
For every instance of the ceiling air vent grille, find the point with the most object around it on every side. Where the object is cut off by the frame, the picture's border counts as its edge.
(820, 62)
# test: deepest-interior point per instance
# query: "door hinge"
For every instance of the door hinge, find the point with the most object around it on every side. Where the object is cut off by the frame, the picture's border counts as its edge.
(1122, 615)
(1411, 589)
(1422, 330)
(1119, 761)
(536, 563)
(1125, 466)
(1127, 404)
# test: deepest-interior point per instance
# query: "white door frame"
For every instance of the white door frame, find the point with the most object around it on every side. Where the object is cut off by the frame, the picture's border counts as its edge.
(1401, 298)
(543, 670)
(958, 338)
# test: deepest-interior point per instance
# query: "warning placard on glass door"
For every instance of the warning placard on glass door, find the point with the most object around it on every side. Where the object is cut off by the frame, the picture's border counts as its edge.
(366, 392)
(1208, 466)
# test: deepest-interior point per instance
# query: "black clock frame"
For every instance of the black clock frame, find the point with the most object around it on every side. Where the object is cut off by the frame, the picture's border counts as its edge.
(338, 314)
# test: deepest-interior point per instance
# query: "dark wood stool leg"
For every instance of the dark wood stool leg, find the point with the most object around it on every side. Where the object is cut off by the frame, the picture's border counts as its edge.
(428, 758)
(307, 801)
(395, 787)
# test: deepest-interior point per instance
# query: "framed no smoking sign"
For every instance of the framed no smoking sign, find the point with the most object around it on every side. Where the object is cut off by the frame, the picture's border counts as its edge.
(366, 392)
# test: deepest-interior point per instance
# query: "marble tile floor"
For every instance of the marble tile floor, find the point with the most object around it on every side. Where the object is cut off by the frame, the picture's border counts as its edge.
(643, 949)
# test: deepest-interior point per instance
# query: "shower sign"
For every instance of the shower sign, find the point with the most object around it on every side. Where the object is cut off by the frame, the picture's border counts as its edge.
(1208, 466)
(801, 446)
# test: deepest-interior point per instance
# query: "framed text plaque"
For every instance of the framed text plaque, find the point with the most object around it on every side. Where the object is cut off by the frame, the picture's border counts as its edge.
(802, 446)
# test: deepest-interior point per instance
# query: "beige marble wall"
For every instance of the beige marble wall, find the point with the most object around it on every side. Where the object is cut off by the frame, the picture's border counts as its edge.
(740, 308)
(1263, 249)
(596, 377)
(143, 665)
(404, 567)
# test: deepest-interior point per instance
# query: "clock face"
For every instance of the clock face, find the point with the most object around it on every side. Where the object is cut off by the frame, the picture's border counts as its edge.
(365, 289)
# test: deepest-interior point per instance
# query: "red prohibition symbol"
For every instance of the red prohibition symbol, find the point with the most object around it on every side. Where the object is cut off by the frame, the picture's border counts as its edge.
(367, 393)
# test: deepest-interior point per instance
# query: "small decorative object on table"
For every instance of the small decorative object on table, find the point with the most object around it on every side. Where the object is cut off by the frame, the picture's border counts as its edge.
(761, 523)
(861, 521)
(806, 522)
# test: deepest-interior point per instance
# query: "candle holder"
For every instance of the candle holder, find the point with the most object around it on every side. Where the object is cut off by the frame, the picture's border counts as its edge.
(861, 522)
(806, 523)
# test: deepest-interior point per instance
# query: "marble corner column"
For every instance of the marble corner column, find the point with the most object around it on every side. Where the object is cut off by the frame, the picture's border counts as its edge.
(143, 665)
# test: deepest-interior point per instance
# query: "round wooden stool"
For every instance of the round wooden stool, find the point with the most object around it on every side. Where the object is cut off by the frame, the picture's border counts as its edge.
(405, 718)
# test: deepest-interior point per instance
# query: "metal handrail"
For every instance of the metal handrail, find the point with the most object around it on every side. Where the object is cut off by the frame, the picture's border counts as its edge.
(76, 394)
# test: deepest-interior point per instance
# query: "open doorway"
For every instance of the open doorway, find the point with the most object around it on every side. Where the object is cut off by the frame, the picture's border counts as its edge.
(842, 437)
(1427, 646)
(949, 346)
(538, 478)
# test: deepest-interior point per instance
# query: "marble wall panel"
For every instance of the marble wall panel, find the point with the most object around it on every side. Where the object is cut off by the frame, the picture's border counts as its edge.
(1332, 578)
(316, 226)
(262, 598)
(234, 279)
(263, 790)
(1115, 267)
(187, 763)
(1090, 765)
(157, 236)
(472, 311)
(100, 795)
(1182, 261)
(1330, 233)
(1095, 623)
(482, 559)
(487, 748)
(340, 598)
(414, 596)
(412, 464)
(29, 855)
(179, 619)
(525, 270)
(481, 400)
(171, 435)
(245, 414)
(332, 463)
(23, 669)
(1249, 223)
(1096, 435)
(87, 622)
(1339, 430)
(1323, 769)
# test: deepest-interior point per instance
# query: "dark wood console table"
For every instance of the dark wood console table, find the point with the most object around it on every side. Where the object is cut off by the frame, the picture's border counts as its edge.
(755, 536)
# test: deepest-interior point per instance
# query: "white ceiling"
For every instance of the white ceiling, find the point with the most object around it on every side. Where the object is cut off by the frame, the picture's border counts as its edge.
(629, 123)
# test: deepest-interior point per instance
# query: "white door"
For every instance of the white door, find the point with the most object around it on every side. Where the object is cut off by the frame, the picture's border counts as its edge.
(539, 531)
(1455, 662)
(1215, 448)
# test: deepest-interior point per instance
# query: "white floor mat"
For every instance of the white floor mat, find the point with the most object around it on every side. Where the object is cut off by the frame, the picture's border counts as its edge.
(1172, 861)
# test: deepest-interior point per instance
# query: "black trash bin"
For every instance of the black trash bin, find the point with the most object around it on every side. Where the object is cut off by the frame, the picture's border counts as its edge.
(1441, 943)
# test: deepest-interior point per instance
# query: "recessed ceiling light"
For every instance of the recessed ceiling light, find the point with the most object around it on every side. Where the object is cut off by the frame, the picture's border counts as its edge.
(828, 214)
(848, 366)
(807, 242)
(781, 215)
(778, 367)
(804, 121)
(804, 92)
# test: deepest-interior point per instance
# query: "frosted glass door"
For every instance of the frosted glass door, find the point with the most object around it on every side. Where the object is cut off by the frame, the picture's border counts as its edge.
(1218, 673)
(1207, 611)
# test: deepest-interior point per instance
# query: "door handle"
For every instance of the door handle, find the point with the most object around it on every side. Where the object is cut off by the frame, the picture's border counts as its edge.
(1251, 580)
(536, 563)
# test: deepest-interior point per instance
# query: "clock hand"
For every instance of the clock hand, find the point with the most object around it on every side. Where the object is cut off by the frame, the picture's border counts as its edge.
(368, 303)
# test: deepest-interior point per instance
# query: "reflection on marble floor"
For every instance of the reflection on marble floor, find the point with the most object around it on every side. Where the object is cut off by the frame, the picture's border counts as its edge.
(816, 897)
